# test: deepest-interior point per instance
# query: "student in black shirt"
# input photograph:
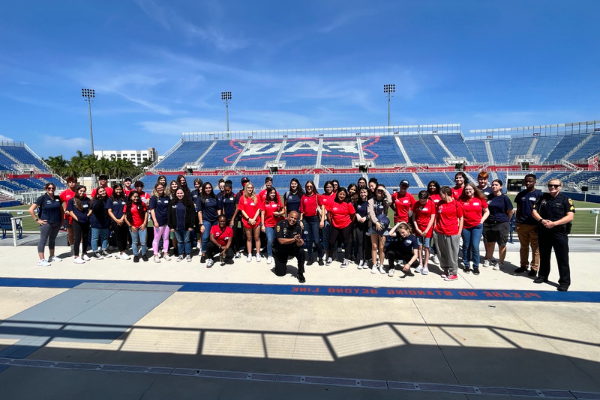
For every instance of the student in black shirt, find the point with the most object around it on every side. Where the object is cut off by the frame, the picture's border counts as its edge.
(406, 248)
(116, 203)
(50, 219)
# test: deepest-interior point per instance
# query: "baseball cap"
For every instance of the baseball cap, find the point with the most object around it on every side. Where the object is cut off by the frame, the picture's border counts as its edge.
(245, 180)
(128, 179)
(404, 182)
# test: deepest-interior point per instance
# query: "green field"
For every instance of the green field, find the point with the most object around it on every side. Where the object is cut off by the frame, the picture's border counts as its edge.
(582, 224)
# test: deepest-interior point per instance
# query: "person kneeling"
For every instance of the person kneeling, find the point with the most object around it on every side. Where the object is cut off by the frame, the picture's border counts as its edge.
(406, 248)
(288, 244)
(221, 236)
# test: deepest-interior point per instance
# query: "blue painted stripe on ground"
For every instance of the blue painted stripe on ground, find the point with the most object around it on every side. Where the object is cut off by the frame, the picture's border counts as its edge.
(314, 290)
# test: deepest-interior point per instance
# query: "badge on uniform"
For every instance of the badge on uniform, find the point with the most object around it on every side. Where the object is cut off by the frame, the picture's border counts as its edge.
(278, 228)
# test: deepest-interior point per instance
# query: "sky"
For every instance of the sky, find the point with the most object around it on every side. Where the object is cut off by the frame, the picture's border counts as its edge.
(158, 67)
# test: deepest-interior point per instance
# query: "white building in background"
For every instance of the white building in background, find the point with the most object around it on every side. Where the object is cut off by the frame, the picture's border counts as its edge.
(136, 156)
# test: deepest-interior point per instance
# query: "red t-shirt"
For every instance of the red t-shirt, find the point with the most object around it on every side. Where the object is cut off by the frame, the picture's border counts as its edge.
(403, 205)
(436, 198)
(446, 218)
(472, 211)
(270, 208)
(65, 197)
(262, 196)
(456, 193)
(422, 215)
(135, 214)
(326, 200)
(127, 191)
(309, 204)
(250, 207)
(341, 214)
(109, 191)
(222, 237)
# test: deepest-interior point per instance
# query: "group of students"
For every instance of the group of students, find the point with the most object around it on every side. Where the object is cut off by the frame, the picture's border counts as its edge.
(223, 223)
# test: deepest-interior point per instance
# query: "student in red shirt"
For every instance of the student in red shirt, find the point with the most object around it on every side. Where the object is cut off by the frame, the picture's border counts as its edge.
(433, 189)
(309, 218)
(103, 181)
(325, 201)
(250, 208)
(475, 211)
(127, 188)
(139, 188)
(446, 233)
(136, 217)
(402, 203)
(423, 219)
(341, 217)
(65, 196)
(461, 180)
(262, 196)
(221, 237)
(273, 212)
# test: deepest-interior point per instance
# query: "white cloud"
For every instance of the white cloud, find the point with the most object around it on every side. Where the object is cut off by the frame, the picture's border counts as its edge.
(59, 143)
(7, 139)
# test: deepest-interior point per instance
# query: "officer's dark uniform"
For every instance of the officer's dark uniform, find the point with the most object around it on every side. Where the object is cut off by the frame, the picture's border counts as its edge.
(553, 209)
(282, 252)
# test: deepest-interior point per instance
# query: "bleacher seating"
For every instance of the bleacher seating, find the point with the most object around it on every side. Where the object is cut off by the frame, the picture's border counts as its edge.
(23, 155)
(187, 152)
(566, 144)
(339, 152)
(343, 179)
(384, 151)
(30, 183)
(584, 176)
(500, 150)
(441, 177)
(59, 185)
(391, 181)
(435, 148)
(417, 150)
(223, 154)
(590, 148)
(518, 147)
(296, 154)
(553, 175)
(545, 145)
(13, 186)
(478, 150)
(457, 146)
(6, 163)
(282, 182)
(259, 153)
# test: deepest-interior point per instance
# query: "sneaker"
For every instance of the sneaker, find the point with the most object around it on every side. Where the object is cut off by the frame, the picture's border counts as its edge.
(258, 257)
(445, 274)
(345, 263)
(321, 261)
(540, 279)
(467, 269)
(498, 267)
(156, 259)
(486, 263)
(520, 270)
(419, 269)
(532, 273)
(105, 254)
(249, 258)
(210, 263)
(85, 257)
(97, 255)
(238, 254)
(301, 278)
(562, 288)
(329, 261)
(124, 256)
(43, 263)
(451, 278)
(382, 269)
(391, 272)
(78, 260)
(374, 269)
(136, 259)
(166, 257)
(180, 258)
(145, 258)
(188, 258)
(54, 259)
(425, 271)
(202, 259)
(269, 260)
(475, 271)
(310, 261)
(435, 259)
(361, 263)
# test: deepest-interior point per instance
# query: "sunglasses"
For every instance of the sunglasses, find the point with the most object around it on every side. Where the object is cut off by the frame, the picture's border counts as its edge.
(51, 188)
(553, 186)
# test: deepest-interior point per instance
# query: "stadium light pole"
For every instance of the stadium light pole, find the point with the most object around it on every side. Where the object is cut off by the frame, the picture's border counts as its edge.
(389, 89)
(88, 95)
(226, 96)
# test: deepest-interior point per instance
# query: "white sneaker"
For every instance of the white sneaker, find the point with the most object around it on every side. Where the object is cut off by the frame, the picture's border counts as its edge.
(329, 261)
(166, 257)
(43, 263)
(249, 258)
(180, 258)
(486, 263)
(258, 257)
(209, 263)
(498, 267)
(269, 260)
(238, 254)
(54, 259)
(382, 269)
(98, 255)
(425, 270)
(360, 265)
(78, 260)
(419, 269)
(391, 272)
(124, 256)
(188, 258)
(436, 259)
(105, 254)
(85, 257)
(156, 259)
(344, 263)
(374, 269)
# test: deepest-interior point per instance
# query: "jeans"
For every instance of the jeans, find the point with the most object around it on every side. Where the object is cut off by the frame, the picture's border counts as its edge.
(206, 234)
(270, 232)
(183, 242)
(161, 232)
(311, 225)
(471, 238)
(141, 236)
(102, 234)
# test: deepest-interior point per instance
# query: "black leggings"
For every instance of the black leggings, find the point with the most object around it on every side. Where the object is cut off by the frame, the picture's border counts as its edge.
(81, 234)
(48, 231)
(346, 234)
(121, 232)
(363, 242)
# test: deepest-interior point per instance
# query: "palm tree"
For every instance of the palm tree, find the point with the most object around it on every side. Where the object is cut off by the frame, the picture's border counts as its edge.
(119, 168)
(58, 164)
(103, 166)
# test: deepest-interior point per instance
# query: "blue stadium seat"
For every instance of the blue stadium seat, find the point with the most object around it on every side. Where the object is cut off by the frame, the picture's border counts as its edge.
(223, 154)
(6, 163)
(258, 153)
(500, 150)
(457, 146)
(343, 179)
(30, 183)
(441, 177)
(518, 147)
(590, 148)
(566, 144)
(188, 152)
(300, 153)
(417, 150)
(13, 186)
(435, 148)
(24, 156)
(392, 180)
(339, 152)
(478, 150)
(384, 151)
(545, 145)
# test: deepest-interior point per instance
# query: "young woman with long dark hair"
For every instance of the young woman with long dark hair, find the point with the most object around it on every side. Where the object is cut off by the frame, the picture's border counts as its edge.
(475, 210)
(325, 201)
(423, 218)
(378, 205)
(116, 204)
(293, 196)
(50, 220)
(497, 226)
(341, 217)
(460, 178)
(100, 223)
(309, 218)
(446, 233)
(273, 212)
(250, 208)
(159, 206)
(363, 241)
(180, 219)
(136, 217)
(79, 210)
(209, 208)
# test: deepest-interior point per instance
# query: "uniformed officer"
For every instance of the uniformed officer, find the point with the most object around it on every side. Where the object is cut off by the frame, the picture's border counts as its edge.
(288, 244)
(554, 213)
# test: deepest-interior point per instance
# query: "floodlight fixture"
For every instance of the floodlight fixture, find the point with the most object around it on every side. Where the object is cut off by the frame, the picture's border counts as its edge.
(389, 89)
(88, 95)
(226, 96)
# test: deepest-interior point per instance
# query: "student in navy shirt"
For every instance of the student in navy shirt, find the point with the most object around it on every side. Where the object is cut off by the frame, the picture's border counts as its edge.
(195, 195)
(180, 219)
(50, 220)
(115, 206)
(292, 197)
(362, 226)
(309, 218)
(79, 209)
(159, 205)
(526, 225)
(229, 202)
(209, 209)
(496, 227)
(406, 248)
(100, 222)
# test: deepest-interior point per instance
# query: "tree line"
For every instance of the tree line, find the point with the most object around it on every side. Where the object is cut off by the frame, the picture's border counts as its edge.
(87, 164)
